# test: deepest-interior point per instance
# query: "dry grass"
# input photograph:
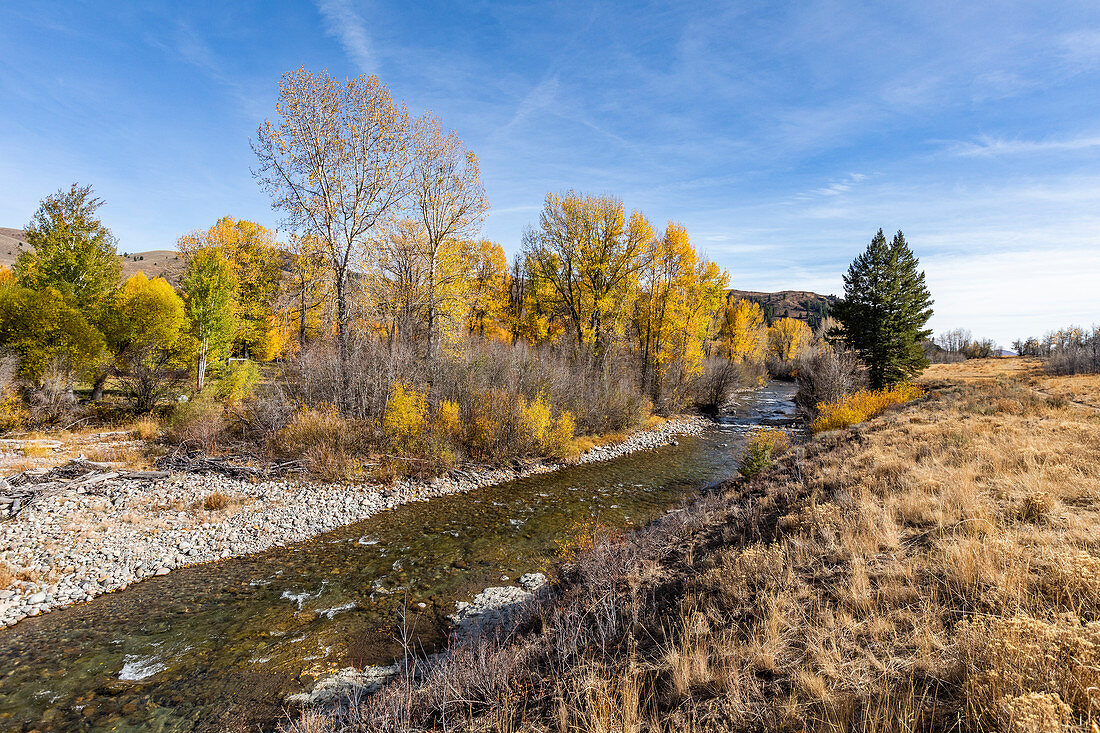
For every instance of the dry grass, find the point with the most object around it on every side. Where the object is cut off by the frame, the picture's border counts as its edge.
(7, 575)
(936, 568)
(35, 449)
(216, 501)
(1081, 388)
(146, 428)
(981, 370)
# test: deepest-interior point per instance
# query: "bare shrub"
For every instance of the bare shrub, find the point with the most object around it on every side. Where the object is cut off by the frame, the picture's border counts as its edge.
(198, 423)
(828, 375)
(216, 501)
(52, 400)
(267, 412)
(716, 383)
(1077, 354)
(150, 377)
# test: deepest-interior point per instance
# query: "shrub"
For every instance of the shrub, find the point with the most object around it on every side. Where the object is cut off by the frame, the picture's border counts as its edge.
(198, 423)
(559, 443)
(861, 405)
(236, 381)
(535, 422)
(324, 439)
(7, 576)
(826, 377)
(448, 420)
(267, 411)
(406, 415)
(13, 411)
(761, 450)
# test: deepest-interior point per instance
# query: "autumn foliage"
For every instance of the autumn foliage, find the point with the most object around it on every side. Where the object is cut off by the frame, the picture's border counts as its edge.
(861, 405)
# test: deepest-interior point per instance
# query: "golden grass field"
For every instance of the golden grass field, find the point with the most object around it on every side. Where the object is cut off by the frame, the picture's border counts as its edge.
(935, 568)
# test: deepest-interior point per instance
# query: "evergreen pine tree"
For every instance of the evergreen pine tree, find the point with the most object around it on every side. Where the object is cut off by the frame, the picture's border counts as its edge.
(886, 305)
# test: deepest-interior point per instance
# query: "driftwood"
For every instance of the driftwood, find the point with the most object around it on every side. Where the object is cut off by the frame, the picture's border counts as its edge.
(196, 461)
(21, 490)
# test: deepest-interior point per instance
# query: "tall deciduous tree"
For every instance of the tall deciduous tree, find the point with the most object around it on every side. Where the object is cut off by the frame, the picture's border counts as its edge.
(450, 202)
(208, 287)
(488, 292)
(678, 294)
(307, 285)
(253, 254)
(73, 251)
(337, 162)
(885, 308)
(47, 333)
(743, 335)
(788, 338)
(590, 255)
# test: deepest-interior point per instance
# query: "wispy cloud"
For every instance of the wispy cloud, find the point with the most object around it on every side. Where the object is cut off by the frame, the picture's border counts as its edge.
(986, 146)
(541, 97)
(1082, 47)
(343, 22)
(835, 188)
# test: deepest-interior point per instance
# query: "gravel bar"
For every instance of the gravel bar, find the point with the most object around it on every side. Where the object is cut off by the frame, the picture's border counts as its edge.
(80, 542)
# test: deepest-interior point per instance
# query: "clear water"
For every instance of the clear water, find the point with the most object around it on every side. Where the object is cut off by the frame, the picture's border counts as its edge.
(219, 646)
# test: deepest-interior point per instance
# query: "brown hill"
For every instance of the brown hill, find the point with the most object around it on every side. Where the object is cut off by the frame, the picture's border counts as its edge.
(801, 304)
(155, 263)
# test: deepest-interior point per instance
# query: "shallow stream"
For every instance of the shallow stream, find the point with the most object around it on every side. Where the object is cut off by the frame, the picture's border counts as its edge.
(218, 646)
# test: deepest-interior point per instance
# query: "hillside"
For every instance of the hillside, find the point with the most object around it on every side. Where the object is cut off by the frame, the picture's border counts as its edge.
(160, 262)
(801, 304)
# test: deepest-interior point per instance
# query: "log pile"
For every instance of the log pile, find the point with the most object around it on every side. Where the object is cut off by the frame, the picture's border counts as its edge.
(197, 461)
(24, 489)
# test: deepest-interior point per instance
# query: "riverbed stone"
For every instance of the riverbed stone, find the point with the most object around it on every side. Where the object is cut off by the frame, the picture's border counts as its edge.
(129, 529)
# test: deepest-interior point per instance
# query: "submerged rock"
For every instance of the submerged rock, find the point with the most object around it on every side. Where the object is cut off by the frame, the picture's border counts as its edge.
(345, 684)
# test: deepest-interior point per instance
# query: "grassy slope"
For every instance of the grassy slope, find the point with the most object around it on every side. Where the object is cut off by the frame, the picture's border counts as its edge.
(935, 568)
(155, 263)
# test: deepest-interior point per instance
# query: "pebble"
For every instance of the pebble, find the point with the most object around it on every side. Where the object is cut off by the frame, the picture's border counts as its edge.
(126, 530)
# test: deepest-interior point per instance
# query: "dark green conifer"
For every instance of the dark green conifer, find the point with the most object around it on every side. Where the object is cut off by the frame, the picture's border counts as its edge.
(886, 305)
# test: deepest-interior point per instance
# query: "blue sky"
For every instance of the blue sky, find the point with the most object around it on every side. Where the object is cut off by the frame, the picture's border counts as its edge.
(783, 135)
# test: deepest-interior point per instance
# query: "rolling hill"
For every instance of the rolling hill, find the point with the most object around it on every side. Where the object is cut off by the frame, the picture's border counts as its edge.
(801, 304)
(155, 263)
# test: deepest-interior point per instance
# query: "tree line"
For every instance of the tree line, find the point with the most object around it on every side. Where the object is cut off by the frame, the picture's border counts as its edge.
(380, 303)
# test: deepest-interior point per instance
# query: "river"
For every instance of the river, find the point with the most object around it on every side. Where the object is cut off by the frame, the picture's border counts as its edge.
(218, 646)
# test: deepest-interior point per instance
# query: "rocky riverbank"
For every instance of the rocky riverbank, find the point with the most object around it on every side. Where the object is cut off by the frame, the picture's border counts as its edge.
(493, 607)
(79, 542)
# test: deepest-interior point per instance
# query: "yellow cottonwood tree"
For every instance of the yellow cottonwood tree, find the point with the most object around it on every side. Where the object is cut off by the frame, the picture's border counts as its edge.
(450, 203)
(787, 338)
(590, 255)
(743, 335)
(338, 163)
(254, 257)
(488, 291)
(678, 294)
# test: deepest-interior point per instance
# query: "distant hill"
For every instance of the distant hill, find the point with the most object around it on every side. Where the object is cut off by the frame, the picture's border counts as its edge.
(801, 304)
(155, 263)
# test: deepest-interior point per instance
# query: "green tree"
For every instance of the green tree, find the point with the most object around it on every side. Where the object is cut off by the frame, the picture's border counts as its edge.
(208, 288)
(253, 254)
(885, 307)
(47, 333)
(72, 251)
(148, 331)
